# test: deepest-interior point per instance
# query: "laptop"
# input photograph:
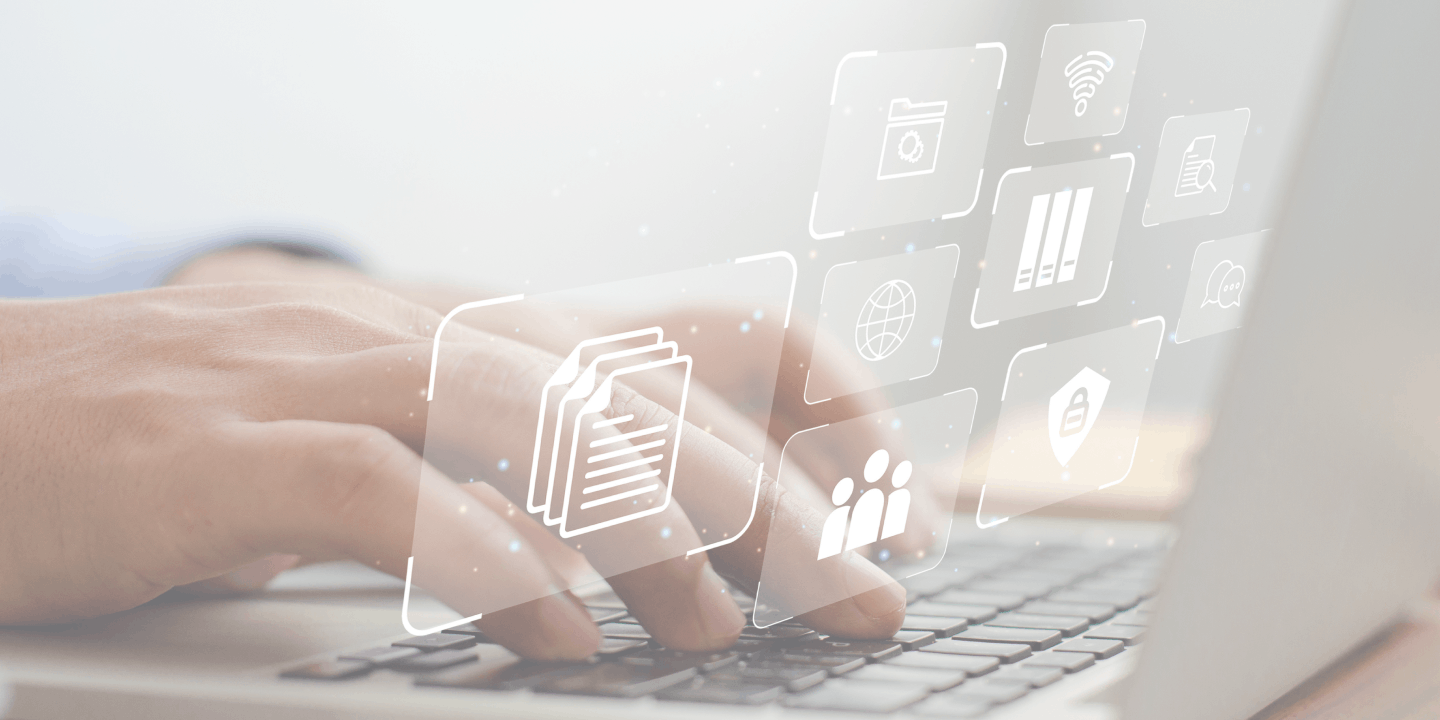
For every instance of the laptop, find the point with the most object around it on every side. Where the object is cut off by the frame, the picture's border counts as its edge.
(1308, 525)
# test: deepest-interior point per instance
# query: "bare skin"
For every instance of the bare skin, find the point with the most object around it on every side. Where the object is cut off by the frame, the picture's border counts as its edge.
(211, 434)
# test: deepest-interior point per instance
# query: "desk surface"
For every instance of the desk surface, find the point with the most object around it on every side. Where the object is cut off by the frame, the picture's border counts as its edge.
(1394, 677)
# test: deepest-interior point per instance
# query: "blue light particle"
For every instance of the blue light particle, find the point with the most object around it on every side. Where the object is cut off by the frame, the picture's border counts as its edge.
(514, 546)
(745, 326)
(503, 464)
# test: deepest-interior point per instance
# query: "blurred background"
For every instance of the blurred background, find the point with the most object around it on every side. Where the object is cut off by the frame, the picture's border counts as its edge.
(551, 145)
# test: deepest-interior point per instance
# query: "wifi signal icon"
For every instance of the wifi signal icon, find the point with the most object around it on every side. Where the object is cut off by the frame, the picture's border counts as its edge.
(1086, 73)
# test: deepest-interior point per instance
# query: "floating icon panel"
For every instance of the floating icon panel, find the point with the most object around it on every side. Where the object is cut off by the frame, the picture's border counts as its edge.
(918, 454)
(1195, 167)
(881, 322)
(907, 137)
(1222, 281)
(1083, 86)
(1052, 238)
(1070, 418)
(600, 444)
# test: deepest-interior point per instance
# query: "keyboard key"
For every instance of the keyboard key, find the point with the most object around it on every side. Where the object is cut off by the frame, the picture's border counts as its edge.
(1004, 652)
(942, 627)
(952, 707)
(1068, 626)
(936, 680)
(858, 696)
(513, 675)
(617, 679)
(624, 630)
(794, 678)
(972, 614)
(868, 649)
(1000, 600)
(972, 665)
(912, 639)
(1030, 589)
(1097, 613)
(1121, 600)
(933, 582)
(1067, 661)
(1101, 649)
(680, 660)
(1056, 577)
(752, 646)
(1036, 675)
(329, 670)
(438, 660)
(1129, 634)
(994, 690)
(615, 646)
(709, 690)
(1143, 589)
(1036, 639)
(602, 615)
(777, 632)
(1133, 617)
(834, 664)
(471, 630)
(607, 599)
(382, 655)
(438, 641)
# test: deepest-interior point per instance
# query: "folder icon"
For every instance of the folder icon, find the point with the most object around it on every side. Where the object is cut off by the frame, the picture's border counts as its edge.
(592, 469)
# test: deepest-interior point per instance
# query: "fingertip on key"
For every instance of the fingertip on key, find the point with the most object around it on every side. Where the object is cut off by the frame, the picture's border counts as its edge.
(567, 633)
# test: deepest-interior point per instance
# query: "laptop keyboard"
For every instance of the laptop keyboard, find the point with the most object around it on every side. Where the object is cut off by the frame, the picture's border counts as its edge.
(989, 626)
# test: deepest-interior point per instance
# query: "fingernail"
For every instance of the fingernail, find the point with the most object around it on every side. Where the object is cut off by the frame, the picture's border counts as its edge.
(876, 594)
(720, 618)
(569, 632)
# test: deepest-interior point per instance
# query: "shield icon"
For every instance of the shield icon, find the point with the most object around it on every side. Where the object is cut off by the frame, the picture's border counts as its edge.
(1073, 409)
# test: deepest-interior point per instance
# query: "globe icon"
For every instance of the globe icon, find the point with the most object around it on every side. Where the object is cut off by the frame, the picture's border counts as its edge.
(885, 320)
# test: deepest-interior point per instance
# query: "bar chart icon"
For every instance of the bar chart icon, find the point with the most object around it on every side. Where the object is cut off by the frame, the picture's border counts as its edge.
(1060, 252)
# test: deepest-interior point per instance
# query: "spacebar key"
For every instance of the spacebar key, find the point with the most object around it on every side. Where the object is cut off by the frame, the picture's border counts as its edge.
(618, 680)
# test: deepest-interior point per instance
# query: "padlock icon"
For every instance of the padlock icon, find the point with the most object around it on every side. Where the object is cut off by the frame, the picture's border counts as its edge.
(1073, 421)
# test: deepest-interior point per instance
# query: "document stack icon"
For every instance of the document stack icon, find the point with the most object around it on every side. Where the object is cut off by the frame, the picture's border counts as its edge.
(590, 469)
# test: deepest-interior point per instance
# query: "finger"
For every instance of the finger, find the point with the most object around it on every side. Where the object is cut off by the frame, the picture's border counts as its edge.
(563, 560)
(719, 483)
(247, 578)
(327, 487)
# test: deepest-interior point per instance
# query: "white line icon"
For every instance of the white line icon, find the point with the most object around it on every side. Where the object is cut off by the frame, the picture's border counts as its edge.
(873, 507)
(912, 139)
(1197, 168)
(583, 463)
(885, 320)
(1057, 210)
(1224, 285)
(1073, 410)
(1086, 73)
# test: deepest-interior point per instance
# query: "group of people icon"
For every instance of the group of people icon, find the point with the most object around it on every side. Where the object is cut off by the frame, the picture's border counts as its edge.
(845, 530)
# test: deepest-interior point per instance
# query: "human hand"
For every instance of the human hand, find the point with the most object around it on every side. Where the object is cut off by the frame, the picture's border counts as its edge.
(164, 437)
(815, 468)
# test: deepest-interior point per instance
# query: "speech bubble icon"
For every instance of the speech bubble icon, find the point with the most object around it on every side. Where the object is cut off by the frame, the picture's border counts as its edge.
(1230, 287)
(1224, 285)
